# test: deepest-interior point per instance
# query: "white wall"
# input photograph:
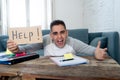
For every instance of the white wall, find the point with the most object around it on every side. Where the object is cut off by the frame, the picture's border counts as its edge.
(96, 15)
(101, 15)
(0, 19)
(70, 11)
(117, 15)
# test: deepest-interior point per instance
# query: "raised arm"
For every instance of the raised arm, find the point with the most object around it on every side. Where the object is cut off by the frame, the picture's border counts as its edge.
(15, 48)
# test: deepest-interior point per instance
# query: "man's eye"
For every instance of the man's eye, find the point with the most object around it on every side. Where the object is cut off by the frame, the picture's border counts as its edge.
(62, 32)
(54, 33)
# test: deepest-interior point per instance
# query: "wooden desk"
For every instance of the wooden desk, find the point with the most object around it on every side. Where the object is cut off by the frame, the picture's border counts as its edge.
(44, 68)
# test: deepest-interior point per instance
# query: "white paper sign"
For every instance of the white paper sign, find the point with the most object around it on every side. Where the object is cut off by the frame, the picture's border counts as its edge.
(25, 35)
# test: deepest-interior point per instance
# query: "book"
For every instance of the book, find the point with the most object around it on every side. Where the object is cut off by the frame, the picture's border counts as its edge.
(10, 60)
(60, 61)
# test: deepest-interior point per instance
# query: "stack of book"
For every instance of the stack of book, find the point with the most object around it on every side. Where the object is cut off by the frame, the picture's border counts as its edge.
(13, 59)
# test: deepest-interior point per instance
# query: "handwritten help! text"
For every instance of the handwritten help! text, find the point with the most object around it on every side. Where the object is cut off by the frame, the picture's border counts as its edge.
(25, 35)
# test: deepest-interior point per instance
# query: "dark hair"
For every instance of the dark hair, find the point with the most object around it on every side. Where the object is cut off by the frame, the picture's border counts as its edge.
(57, 22)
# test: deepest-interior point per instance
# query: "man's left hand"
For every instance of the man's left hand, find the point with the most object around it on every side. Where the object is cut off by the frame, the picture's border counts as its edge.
(100, 54)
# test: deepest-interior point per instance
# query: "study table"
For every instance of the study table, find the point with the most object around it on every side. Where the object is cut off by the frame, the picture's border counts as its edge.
(44, 68)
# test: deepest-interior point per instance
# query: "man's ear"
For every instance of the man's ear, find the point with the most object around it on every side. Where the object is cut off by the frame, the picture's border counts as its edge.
(67, 32)
(51, 36)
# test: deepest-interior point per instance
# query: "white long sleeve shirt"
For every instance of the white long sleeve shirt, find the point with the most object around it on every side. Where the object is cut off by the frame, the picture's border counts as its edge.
(50, 49)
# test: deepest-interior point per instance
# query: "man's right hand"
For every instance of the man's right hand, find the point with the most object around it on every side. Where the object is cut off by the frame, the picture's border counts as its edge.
(12, 46)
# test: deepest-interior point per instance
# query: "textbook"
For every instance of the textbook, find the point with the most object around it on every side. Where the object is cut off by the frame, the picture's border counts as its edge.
(9, 60)
(60, 61)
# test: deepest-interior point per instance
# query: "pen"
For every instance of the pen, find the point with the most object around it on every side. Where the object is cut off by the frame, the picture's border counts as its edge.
(67, 59)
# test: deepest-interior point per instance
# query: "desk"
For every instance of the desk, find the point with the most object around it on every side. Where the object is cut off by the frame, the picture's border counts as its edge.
(44, 68)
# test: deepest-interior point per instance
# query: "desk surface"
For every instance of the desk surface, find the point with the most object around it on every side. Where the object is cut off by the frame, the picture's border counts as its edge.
(45, 68)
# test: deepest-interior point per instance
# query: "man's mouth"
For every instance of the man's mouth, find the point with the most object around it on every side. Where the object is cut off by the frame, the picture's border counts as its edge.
(60, 41)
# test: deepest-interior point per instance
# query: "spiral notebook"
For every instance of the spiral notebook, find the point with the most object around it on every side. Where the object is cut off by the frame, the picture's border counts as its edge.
(60, 61)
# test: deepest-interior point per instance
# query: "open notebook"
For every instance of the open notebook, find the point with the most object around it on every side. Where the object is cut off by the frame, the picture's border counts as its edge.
(60, 61)
(9, 60)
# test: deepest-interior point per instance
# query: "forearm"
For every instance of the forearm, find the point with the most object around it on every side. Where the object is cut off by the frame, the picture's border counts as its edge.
(30, 47)
(81, 47)
(86, 49)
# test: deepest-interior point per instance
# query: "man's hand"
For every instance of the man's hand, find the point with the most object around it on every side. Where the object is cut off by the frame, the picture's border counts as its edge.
(12, 46)
(100, 54)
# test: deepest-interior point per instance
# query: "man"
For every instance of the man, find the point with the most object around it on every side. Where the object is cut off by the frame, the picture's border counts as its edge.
(58, 43)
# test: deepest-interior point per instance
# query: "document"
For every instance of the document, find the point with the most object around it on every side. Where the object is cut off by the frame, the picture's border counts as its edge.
(76, 60)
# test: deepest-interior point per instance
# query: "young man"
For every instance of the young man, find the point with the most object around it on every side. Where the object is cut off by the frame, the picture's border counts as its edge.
(58, 43)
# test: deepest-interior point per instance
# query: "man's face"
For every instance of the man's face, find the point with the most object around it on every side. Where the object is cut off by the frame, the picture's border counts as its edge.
(59, 35)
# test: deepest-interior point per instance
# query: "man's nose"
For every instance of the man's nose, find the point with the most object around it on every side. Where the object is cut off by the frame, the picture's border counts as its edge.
(59, 35)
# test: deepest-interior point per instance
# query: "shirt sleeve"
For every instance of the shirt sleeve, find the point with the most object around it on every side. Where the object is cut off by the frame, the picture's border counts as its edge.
(30, 47)
(81, 47)
(35, 46)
